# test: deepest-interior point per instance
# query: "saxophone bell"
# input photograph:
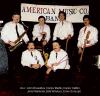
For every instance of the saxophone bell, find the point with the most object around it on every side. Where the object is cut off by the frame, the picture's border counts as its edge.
(12, 48)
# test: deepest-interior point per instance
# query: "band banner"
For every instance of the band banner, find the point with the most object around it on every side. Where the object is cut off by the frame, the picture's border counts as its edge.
(31, 12)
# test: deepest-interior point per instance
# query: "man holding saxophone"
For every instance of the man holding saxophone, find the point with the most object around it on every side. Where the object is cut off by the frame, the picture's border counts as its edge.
(9, 34)
(88, 37)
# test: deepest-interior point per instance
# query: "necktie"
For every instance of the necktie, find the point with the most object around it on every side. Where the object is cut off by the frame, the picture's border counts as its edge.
(31, 54)
(85, 29)
(37, 59)
(17, 31)
(56, 55)
(62, 22)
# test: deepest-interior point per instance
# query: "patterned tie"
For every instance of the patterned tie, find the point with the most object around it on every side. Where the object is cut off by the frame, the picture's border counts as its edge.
(37, 59)
(62, 23)
(85, 29)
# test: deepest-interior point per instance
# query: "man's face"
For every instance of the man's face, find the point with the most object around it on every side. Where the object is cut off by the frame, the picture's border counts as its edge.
(86, 21)
(41, 21)
(61, 17)
(56, 46)
(30, 46)
(16, 18)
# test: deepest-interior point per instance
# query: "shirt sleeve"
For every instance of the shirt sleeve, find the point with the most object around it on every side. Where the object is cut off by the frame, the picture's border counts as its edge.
(25, 37)
(79, 39)
(48, 33)
(35, 31)
(94, 37)
(71, 29)
(67, 66)
(50, 60)
(24, 60)
(55, 32)
(4, 33)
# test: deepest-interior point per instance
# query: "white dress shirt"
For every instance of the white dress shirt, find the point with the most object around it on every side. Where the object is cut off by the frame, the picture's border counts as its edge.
(62, 58)
(9, 33)
(38, 29)
(93, 37)
(27, 59)
(62, 31)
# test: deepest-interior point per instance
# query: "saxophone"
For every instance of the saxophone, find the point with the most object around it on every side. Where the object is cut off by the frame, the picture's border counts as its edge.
(17, 43)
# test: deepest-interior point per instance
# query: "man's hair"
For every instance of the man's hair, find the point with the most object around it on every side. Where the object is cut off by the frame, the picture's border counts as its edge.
(30, 42)
(16, 13)
(62, 12)
(42, 17)
(56, 41)
(87, 16)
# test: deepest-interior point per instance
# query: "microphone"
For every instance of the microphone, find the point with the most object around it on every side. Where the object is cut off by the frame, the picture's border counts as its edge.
(24, 24)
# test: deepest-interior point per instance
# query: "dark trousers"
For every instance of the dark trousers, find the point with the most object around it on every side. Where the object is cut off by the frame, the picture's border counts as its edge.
(63, 43)
(88, 59)
(60, 75)
(37, 43)
(14, 59)
(34, 75)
